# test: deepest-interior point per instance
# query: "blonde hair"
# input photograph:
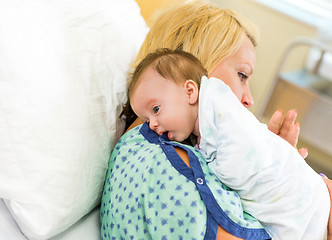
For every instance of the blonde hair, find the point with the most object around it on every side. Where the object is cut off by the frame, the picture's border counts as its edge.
(208, 32)
(173, 65)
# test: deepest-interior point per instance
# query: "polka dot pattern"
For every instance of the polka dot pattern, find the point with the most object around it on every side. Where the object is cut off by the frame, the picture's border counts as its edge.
(146, 197)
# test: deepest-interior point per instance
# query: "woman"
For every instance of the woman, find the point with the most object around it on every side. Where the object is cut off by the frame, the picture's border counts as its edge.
(225, 44)
(200, 32)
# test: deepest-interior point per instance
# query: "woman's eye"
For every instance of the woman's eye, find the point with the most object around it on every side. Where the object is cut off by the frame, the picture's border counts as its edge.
(156, 109)
(242, 76)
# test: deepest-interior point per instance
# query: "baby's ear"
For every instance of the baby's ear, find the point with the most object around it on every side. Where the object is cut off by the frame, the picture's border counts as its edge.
(192, 91)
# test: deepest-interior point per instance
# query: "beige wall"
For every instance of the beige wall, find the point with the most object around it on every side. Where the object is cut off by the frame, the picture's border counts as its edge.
(277, 32)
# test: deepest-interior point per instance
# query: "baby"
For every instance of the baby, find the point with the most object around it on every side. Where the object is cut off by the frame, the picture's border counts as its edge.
(170, 91)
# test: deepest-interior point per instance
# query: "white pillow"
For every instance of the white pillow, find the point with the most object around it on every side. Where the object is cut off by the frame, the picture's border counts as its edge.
(63, 66)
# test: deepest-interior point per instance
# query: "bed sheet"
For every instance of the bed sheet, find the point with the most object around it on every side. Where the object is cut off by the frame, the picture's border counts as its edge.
(88, 228)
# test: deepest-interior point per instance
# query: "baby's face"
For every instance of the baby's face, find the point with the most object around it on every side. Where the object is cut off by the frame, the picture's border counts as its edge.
(163, 104)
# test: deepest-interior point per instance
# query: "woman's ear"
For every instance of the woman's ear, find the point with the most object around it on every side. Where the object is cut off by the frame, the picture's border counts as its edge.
(192, 91)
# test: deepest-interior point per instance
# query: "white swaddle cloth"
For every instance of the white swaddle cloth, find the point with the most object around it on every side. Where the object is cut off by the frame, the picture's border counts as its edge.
(274, 182)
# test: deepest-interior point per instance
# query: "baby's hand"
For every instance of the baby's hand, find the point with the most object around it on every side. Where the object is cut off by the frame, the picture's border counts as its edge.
(287, 128)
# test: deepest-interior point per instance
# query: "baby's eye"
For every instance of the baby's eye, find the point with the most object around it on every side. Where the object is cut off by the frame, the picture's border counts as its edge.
(156, 109)
(242, 76)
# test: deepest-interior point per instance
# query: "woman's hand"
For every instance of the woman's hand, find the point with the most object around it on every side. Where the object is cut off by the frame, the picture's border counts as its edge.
(328, 183)
(287, 128)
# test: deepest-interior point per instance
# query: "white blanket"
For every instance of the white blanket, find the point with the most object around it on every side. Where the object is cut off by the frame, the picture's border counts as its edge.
(275, 183)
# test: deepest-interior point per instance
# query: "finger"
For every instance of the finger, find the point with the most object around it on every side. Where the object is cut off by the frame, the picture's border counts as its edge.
(323, 176)
(303, 152)
(275, 122)
(328, 183)
(290, 116)
(289, 120)
(288, 130)
(291, 134)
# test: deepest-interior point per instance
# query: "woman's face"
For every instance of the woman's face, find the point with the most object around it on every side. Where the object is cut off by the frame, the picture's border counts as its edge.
(236, 70)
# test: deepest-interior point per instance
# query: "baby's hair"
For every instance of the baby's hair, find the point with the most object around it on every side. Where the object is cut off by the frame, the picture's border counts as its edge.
(173, 65)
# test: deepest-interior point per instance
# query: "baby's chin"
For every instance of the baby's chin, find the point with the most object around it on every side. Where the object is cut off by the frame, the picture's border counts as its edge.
(172, 137)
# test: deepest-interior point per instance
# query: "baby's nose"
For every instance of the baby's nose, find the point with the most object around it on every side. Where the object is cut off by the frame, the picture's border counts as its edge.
(153, 125)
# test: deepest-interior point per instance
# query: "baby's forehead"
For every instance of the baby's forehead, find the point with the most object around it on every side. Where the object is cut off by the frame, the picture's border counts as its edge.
(141, 78)
(151, 73)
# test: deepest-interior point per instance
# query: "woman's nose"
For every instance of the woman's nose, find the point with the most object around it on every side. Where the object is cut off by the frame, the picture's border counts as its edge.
(247, 99)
